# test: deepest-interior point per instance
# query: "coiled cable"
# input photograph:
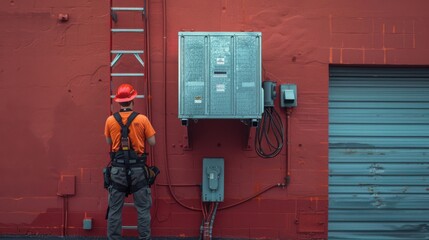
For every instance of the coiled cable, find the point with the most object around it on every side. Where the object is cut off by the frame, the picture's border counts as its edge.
(269, 137)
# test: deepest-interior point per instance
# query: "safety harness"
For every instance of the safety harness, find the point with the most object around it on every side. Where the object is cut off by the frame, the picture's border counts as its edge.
(127, 158)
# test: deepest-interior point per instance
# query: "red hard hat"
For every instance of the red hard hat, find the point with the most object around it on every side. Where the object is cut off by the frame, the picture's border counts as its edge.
(125, 93)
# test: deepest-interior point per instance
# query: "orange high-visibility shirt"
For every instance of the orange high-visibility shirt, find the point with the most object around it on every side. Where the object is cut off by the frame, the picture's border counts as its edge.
(140, 130)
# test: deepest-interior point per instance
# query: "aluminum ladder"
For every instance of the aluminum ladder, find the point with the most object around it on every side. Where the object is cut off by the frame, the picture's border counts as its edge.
(116, 55)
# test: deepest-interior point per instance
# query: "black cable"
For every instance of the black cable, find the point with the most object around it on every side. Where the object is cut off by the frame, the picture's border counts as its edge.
(269, 137)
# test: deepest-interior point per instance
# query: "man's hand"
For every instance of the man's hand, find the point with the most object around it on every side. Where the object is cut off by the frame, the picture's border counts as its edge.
(151, 140)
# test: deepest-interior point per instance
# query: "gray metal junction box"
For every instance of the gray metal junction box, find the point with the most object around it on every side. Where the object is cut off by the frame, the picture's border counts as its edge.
(220, 75)
(213, 180)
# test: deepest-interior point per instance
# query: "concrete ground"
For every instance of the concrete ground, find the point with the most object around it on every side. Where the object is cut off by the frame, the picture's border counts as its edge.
(91, 238)
(81, 238)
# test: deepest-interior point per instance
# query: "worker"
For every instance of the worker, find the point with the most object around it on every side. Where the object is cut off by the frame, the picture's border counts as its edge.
(128, 172)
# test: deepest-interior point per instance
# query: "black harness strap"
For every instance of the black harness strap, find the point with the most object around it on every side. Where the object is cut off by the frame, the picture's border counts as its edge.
(118, 118)
(126, 146)
(125, 128)
(125, 142)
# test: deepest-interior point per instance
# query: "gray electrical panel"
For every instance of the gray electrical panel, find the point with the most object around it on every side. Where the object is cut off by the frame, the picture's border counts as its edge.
(220, 75)
(213, 180)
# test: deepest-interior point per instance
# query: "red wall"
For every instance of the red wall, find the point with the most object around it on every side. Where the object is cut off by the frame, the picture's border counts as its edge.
(54, 86)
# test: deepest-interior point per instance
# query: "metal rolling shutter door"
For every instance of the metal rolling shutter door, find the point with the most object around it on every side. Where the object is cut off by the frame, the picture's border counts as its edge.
(378, 153)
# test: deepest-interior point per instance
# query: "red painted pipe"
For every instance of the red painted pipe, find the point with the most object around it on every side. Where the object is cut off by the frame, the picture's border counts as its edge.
(110, 60)
(65, 213)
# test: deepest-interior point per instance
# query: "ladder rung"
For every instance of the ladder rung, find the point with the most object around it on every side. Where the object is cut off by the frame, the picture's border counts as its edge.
(127, 9)
(138, 96)
(127, 30)
(129, 204)
(127, 51)
(129, 227)
(127, 74)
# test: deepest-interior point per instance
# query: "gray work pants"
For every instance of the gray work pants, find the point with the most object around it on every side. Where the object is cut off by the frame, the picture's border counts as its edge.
(142, 202)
